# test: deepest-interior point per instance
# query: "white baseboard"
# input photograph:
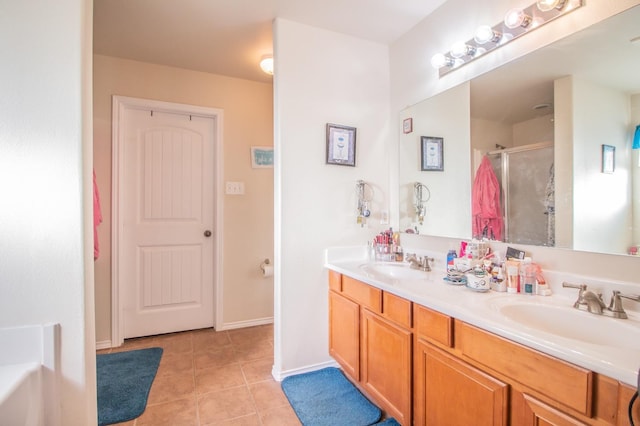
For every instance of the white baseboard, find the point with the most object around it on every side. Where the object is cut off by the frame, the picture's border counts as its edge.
(104, 344)
(280, 375)
(244, 324)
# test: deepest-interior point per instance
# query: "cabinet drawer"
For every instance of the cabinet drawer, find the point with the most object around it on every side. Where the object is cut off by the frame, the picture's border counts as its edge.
(362, 293)
(396, 309)
(335, 281)
(568, 384)
(434, 326)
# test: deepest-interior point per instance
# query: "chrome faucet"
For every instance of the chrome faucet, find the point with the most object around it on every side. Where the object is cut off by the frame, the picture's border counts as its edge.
(417, 262)
(615, 306)
(595, 305)
(587, 298)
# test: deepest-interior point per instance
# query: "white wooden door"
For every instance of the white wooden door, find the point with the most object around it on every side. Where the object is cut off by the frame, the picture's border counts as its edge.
(167, 242)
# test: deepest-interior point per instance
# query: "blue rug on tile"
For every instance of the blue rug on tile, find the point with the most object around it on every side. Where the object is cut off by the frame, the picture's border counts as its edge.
(388, 422)
(124, 382)
(326, 398)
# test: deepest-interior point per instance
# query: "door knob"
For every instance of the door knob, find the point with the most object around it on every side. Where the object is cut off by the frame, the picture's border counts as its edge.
(207, 233)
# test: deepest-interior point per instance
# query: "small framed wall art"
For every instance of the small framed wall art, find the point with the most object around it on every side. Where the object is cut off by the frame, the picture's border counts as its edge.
(407, 125)
(261, 157)
(431, 153)
(608, 158)
(341, 145)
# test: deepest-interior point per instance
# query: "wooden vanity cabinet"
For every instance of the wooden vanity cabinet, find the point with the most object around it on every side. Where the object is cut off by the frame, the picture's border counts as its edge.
(426, 368)
(344, 333)
(456, 393)
(370, 337)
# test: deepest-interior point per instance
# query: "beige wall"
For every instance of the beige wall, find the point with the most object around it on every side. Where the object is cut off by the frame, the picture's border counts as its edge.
(248, 219)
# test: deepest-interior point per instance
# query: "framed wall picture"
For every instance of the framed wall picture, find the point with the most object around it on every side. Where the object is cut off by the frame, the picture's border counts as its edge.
(431, 153)
(608, 158)
(341, 145)
(261, 157)
(407, 125)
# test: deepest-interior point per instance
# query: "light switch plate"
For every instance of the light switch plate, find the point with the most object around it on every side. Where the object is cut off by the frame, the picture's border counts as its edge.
(234, 188)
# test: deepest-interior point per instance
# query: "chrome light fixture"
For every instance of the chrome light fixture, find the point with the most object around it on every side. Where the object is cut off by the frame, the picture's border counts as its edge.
(516, 23)
(547, 5)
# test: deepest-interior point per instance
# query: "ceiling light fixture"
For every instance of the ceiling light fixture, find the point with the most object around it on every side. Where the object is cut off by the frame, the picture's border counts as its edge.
(266, 64)
(516, 22)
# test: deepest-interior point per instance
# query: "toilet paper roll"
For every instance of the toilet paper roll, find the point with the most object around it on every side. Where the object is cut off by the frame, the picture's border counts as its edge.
(267, 270)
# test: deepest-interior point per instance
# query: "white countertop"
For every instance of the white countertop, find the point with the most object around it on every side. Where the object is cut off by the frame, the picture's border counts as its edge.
(483, 310)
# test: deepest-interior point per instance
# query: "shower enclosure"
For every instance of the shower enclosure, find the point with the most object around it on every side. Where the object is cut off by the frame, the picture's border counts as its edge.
(526, 176)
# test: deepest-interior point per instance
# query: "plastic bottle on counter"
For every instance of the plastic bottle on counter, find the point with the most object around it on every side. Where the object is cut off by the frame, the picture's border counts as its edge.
(528, 272)
(450, 259)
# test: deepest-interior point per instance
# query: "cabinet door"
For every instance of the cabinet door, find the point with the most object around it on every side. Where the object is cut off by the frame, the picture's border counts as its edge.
(453, 392)
(537, 413)
(344, 333)
(386, 365)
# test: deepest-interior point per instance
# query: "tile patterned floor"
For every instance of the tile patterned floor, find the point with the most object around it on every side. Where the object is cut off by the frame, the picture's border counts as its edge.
(214, 378)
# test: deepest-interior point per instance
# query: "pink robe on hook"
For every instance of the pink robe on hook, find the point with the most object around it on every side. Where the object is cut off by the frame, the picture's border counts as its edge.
(485, 203)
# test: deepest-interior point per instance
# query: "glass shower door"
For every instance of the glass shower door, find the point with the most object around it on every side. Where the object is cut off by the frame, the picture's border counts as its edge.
(526, 179)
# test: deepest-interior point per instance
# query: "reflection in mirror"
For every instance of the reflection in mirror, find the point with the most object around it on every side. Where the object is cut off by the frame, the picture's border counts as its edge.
(579, 93)
(446, 193)
(525, 175)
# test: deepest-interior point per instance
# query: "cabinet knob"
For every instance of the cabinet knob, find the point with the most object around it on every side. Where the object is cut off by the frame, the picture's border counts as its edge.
(207, 233)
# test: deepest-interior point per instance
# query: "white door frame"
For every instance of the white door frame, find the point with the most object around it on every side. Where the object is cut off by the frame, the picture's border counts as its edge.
(119, 105)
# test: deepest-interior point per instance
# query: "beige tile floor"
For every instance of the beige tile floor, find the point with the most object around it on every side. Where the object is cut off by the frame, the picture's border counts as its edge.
(214, 378)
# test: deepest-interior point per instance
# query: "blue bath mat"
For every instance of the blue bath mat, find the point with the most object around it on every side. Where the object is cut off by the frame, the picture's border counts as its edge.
(326, 398)
(388, 422)
(124, 382)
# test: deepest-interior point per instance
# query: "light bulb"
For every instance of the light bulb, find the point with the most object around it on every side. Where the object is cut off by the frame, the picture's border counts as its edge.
(460, 49)
(485, 34)
(516, 18)
(547, 5)
(439, 60)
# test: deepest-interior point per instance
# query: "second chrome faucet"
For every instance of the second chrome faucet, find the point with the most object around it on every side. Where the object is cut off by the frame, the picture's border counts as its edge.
(417, 262)
(594, 303)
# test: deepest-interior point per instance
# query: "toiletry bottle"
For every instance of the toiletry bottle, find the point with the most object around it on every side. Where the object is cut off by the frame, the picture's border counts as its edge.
(450, 259)
(527, 277)
(512, 276)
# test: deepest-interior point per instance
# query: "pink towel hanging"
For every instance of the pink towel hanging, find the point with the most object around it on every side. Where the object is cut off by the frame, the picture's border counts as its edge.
(485, 205)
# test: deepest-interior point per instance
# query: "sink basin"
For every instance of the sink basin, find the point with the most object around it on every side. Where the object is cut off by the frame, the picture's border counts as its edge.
(395, 271)
(570, 323)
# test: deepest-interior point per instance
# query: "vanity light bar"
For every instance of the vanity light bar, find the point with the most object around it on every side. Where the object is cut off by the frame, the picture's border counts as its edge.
(516, 23)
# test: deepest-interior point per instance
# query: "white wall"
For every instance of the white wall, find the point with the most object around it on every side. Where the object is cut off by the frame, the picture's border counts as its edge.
(635, 169)
(45, 137)
(445, 115)
(485, 134)
(539, 129)
(602, 212)
(321, 77)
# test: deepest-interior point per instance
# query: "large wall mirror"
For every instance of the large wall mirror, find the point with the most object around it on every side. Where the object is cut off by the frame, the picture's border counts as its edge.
(557, 126)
